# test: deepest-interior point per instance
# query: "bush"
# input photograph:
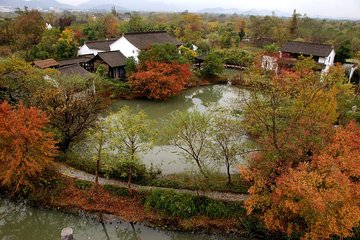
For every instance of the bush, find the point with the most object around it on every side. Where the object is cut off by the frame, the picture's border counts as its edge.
(82, 184)
(119, 170)
(117, 191)
(172, 203)
(185, 205)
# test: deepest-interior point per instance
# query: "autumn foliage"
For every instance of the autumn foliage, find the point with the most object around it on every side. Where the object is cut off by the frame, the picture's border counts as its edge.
(319, 199)
(25, 148)
(157, 80)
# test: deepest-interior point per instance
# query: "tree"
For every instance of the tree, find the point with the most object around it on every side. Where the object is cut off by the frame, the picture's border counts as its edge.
(294, 24)
(29, 29)
(130, 134)
(98, 138)
(64, 22)
(160, 81)
(213, 66)
(343, 52)
(26, 149)
(111, 26)
(72, 105)
(291, 117)
(190, 133)
(321, 199)
(164, 53)
(21, 81)
(227, 141)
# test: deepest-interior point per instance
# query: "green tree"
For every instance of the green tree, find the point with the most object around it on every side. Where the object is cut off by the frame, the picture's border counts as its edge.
(190, 133)
(98, 139)
(294, 24)
(228, 141)
(343, 52)
(130, 134)
(213, 66)
(164, 53)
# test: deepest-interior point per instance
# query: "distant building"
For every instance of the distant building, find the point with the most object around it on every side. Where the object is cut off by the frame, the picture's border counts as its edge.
(129, 44)
(47, 63)
(321, 53)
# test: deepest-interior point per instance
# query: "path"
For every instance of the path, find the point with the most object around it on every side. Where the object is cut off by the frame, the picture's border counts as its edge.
(75, 173)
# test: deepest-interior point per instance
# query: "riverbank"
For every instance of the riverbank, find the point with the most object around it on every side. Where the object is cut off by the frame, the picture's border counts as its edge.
(72, 195)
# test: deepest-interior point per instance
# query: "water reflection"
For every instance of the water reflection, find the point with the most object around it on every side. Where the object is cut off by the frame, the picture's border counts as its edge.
(200, 98)
(21, 222)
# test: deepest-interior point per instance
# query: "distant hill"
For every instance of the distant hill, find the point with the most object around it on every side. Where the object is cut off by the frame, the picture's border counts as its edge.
(43, 4)
(132, 5)
(254, 12)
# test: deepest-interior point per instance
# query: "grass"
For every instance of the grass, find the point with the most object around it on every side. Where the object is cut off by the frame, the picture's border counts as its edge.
(215, 182)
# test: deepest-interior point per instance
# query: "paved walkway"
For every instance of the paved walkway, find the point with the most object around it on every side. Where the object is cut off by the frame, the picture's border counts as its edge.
(75, 173)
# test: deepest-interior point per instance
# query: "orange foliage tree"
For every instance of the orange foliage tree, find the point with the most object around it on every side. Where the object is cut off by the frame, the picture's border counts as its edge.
(291, 117)
(157, 80)
(25, 148)
(320, 199)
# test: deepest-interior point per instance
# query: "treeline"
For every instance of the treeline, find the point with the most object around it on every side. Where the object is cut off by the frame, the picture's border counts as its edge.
(207, 31)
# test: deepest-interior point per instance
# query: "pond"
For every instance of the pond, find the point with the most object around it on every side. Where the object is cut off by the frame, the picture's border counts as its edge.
(22, 222)
(201, 98)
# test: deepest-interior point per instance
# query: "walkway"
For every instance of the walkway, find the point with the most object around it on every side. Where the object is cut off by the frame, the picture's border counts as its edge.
(75, 173)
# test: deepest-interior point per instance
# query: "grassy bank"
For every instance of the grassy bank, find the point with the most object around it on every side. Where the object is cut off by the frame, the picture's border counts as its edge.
(164, 209)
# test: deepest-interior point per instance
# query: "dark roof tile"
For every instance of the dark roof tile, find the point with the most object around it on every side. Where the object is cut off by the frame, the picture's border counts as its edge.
(103, 45)
(112, 58)
(74, 69)
(47, 63)
(144, 40)
(306, 48)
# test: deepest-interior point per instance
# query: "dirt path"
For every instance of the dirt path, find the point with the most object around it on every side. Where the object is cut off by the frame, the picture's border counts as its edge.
(75, 173)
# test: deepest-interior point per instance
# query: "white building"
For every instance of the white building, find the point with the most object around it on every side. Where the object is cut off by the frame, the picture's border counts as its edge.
(321, 53)
(129, 44)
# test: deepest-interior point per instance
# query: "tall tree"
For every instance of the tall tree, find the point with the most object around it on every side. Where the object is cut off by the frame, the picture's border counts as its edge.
(190, 133)
(72, 105)
(294, 24)
(130, 134)
(26, 149)
(227, 141)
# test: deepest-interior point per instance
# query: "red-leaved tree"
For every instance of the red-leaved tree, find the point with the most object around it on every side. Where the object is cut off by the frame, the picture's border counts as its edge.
(319, 199)
(25, 148)
(156, 80)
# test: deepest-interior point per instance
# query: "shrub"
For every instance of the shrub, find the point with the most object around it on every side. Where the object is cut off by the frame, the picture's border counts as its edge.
(119, 170)
(172, 203)
(82, 184)
(117, 191)
(185, 205)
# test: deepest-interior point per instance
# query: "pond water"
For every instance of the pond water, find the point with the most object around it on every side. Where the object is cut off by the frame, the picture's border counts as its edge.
(22, 222)
(201, 98)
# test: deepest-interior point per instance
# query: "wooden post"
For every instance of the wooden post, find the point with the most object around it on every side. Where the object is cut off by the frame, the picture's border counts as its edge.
(67, 234)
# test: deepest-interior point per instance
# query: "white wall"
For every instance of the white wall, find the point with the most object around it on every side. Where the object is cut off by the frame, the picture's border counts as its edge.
(322, 60)
(125, 47)
(331, 58)
(83, 50)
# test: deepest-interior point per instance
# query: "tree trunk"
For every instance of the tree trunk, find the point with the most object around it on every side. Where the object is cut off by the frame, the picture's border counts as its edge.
(201, 169)
(97, 172)
(129, 181)
(228, 173)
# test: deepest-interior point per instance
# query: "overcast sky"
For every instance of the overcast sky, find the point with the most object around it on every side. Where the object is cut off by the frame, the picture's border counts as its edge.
(335, 8)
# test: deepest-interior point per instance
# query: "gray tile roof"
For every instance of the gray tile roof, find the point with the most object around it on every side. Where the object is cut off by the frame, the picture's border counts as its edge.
(144, 40)
(306, 48)
(103, 45)
(74, 69)
(112, 58)
(80, 59)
